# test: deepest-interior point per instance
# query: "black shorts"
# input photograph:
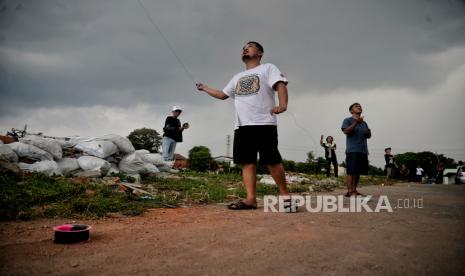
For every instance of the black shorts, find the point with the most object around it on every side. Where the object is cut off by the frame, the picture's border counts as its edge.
(356, 163)
(250, 140)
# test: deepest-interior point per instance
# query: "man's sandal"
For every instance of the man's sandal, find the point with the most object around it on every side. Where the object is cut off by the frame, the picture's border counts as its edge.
(290, 206)
(240, 205)
(356, 193)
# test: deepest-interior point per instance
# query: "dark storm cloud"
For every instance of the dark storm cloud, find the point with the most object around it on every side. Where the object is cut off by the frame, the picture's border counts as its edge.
(84, 53)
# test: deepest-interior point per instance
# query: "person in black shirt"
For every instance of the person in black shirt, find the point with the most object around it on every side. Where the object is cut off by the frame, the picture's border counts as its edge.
(330, 154)
(389, 158)
(172, 133)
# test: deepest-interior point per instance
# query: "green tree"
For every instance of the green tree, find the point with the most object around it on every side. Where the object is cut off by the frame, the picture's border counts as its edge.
(200, 159)
(145, 138)
(310, 157)
(289, 165)
(303, 167)
(426, 159)
(372, 170)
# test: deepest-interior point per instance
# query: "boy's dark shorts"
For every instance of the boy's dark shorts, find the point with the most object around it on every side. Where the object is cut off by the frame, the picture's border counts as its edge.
(356, 163)
(250, 140)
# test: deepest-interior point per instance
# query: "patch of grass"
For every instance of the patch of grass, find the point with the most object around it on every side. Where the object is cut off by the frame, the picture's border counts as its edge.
(38, 195)
(366, 180)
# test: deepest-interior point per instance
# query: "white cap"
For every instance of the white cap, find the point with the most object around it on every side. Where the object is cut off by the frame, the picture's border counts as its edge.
(176, 107)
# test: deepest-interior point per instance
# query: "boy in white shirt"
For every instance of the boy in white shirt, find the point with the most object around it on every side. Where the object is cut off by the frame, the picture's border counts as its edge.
(256, 125)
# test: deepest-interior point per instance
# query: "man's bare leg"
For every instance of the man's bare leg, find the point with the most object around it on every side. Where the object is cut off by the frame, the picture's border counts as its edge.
(249, 176)
(350, 183)
(278, 174)
(355, 183)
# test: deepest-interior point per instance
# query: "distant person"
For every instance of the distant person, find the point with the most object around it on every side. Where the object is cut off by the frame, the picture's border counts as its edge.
(440, 172)
(330, 154)
(419, 174)
(253, 91)
(390, 165)
(357, 132)
(405, 172)
(172, 133)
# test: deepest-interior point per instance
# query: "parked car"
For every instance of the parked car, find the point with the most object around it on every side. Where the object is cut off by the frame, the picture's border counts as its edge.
(460, 177)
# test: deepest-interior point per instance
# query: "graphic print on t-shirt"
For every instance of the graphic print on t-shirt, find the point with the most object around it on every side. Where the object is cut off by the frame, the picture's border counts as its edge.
(248, 85)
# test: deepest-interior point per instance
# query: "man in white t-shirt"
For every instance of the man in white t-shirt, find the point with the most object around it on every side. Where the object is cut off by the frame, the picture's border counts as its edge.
(253, 91)
(419, 174)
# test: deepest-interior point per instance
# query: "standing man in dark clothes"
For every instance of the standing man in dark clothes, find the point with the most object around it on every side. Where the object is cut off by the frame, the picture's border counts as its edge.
(357, 133)
(330, 154)
(389, 158)
(172, 133)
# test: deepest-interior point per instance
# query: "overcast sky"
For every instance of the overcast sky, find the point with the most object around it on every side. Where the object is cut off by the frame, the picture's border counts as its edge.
(94, 67)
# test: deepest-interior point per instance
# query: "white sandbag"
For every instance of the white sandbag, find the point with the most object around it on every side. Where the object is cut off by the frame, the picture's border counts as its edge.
(150, 168)
(69, 142)
(132, 164)
(30, 151)
(100, 149)
(7, 154)
(142, 151)
(49, 145)
(123, 143)
(154, 158)
(47, 167)
(92, 163)
(166, 166)
(112, 159)
(68, 165)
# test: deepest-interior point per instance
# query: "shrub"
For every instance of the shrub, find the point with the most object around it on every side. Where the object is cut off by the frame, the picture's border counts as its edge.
(200, 159)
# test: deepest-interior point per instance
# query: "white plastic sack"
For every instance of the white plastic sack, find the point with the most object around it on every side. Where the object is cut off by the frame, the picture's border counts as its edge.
(267, 180)
(47, 167)
(150, 168)
(166, 166)
(7, 154)
(69, 142)
(49, 145)
(123, 143)
(142, 151)
(154, 158)
(92, 163)
(132, 164)
(68, 165)
(100, 149)
(30, 151)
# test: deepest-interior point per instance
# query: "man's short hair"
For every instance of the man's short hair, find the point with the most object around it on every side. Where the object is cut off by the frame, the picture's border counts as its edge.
(258, 45)
(352, 105)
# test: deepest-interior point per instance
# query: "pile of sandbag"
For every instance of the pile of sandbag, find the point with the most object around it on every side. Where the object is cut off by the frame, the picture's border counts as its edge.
(81, 156)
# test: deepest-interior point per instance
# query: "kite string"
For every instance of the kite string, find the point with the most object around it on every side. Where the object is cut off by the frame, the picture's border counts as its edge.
(189, 74)
(191, 77)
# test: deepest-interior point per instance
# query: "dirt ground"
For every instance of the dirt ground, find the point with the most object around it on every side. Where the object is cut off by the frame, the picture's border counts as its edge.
(211, 240)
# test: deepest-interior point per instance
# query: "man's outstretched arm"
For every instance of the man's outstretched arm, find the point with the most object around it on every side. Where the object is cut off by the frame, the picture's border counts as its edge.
(212, 92)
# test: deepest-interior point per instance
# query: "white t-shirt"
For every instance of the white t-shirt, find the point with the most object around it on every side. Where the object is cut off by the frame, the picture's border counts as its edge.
(420, 171)
(253, 94)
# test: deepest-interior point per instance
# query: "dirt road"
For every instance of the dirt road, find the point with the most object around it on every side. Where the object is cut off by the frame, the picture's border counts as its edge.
(211, 240)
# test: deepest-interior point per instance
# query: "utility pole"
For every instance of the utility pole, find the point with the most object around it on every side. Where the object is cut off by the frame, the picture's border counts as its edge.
(228, 144)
